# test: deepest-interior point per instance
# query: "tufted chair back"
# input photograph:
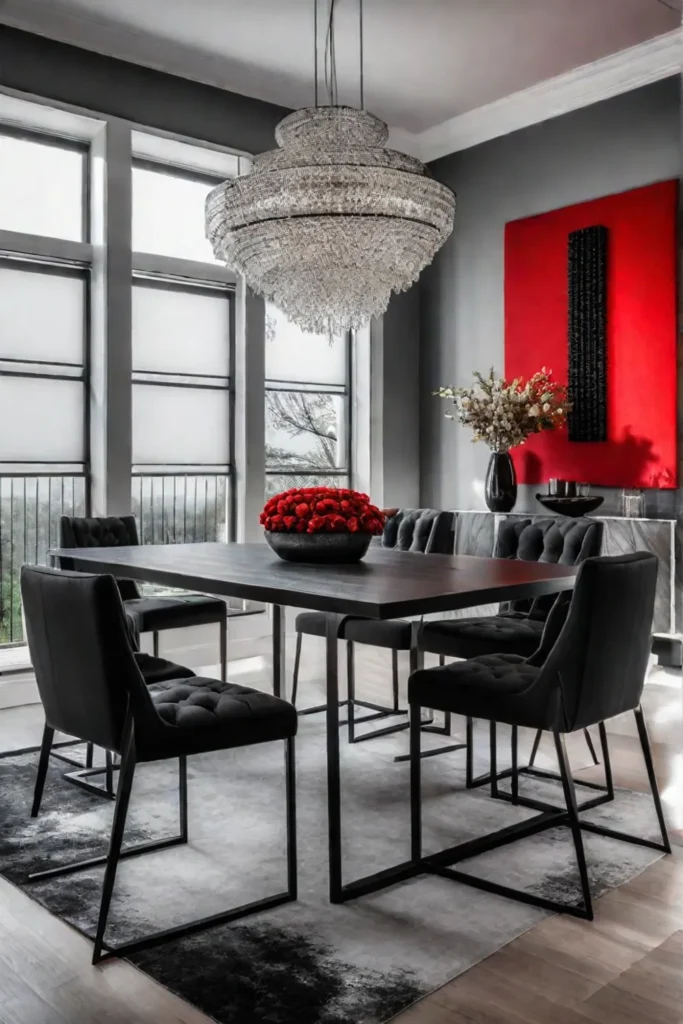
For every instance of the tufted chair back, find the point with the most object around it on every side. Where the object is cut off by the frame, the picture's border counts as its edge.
(425, 530)
(596, 667)
(101, 532)
(554, 539)
(81, 653)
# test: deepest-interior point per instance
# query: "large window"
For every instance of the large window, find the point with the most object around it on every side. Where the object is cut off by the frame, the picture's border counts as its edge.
(126, 351)
(182, 319)
(44, 288)
(307, 407)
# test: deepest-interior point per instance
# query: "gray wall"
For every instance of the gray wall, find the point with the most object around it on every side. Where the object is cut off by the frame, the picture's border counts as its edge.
(153, 99)
(395, 403)
(609, 147)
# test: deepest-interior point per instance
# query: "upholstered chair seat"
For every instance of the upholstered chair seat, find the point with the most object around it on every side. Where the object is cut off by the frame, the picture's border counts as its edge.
(518, 627)
(495, 684)
(508, 632)
(199, 714)
(394, 634)
(154, 614)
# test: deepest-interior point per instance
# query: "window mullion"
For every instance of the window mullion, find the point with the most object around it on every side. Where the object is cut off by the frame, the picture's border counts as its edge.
(249, 385)
(111, 346)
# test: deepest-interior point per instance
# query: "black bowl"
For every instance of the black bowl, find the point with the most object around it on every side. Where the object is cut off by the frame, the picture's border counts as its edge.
(572, 507)
(319, 548)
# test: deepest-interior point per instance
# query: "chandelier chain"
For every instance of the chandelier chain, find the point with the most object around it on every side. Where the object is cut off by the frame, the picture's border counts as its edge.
(315, 51)
(360, 39)
(331, 58)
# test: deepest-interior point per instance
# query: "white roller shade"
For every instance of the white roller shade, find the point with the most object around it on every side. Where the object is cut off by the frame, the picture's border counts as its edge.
(180, 426)
(41, 420)
(42, 315)
(180, 331)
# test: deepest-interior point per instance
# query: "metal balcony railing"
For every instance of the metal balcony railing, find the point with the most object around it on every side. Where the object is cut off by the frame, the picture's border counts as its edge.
(30, 507)
(181, 509)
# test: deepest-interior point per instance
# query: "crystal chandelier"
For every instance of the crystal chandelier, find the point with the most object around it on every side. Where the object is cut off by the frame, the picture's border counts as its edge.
(330, 223)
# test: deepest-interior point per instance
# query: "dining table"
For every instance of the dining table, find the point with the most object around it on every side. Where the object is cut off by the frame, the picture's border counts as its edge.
(386, 584)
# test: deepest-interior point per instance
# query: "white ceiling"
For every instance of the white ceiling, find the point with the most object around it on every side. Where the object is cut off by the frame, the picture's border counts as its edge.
(427, 61)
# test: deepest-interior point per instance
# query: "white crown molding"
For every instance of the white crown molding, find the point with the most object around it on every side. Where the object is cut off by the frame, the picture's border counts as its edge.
(640, 65)
(621, 72)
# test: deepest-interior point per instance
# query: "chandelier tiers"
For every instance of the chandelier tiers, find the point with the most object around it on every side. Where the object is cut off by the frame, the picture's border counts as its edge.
(330, 223)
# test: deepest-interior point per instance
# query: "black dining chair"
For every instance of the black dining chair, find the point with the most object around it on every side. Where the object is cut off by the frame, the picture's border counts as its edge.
(421, 531)
(150, 613)
(517, 627)
(589, 668)
(145, 614)
(91, 687)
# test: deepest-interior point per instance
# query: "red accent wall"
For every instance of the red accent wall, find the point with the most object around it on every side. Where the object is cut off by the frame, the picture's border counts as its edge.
(641, 335)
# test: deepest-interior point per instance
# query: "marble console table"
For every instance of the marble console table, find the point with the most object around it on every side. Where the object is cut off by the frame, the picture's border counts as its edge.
(475, 534)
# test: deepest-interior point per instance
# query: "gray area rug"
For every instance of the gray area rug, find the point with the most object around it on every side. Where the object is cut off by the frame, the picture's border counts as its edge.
(309, 961)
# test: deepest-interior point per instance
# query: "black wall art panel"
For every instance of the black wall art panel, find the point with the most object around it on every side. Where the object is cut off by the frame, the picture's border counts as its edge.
(588, 334)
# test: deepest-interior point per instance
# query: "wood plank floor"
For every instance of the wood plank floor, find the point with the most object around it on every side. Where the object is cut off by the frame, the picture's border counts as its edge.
(623, 968)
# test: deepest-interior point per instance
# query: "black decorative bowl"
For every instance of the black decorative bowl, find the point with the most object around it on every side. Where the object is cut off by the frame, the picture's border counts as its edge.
(319, 548)
(572, 507)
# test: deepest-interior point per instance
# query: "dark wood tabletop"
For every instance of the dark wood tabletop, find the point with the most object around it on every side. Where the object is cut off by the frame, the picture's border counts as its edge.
(386, 584)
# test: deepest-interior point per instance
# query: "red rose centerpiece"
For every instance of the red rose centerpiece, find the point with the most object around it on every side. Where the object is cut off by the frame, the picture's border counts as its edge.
(321, 524)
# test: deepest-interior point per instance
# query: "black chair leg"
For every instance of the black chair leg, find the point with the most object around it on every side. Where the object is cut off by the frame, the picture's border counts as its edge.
(415, 783)
(108, 774)
(591, 746)
(651, 776)
(442, 660)
(534, 749)
(493, 747)
(223, 641)
(297, 662)
(46, 746)
(351, 690)
(589, 743)
(469, 755)
(182, 797)
(155, 643)
(514, 782)
(118, 828)
(394, 679)
(609, 783)
(573, 821)
(290, 789)
(89, 754)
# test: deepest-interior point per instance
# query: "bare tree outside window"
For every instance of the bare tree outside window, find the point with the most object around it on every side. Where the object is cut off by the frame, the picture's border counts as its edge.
(302, 433)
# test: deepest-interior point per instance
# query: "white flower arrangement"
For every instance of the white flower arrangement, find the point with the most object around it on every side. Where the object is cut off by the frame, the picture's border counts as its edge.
(505, 413)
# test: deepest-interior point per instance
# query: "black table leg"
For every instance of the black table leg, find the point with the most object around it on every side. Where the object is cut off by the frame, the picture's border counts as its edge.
(279, 652)
(334, 623)
(340, 892)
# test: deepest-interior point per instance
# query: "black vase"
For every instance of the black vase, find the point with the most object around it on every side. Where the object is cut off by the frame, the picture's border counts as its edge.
(501, 483)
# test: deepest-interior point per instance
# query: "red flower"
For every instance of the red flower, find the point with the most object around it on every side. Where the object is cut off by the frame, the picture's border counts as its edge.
(318, 509)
